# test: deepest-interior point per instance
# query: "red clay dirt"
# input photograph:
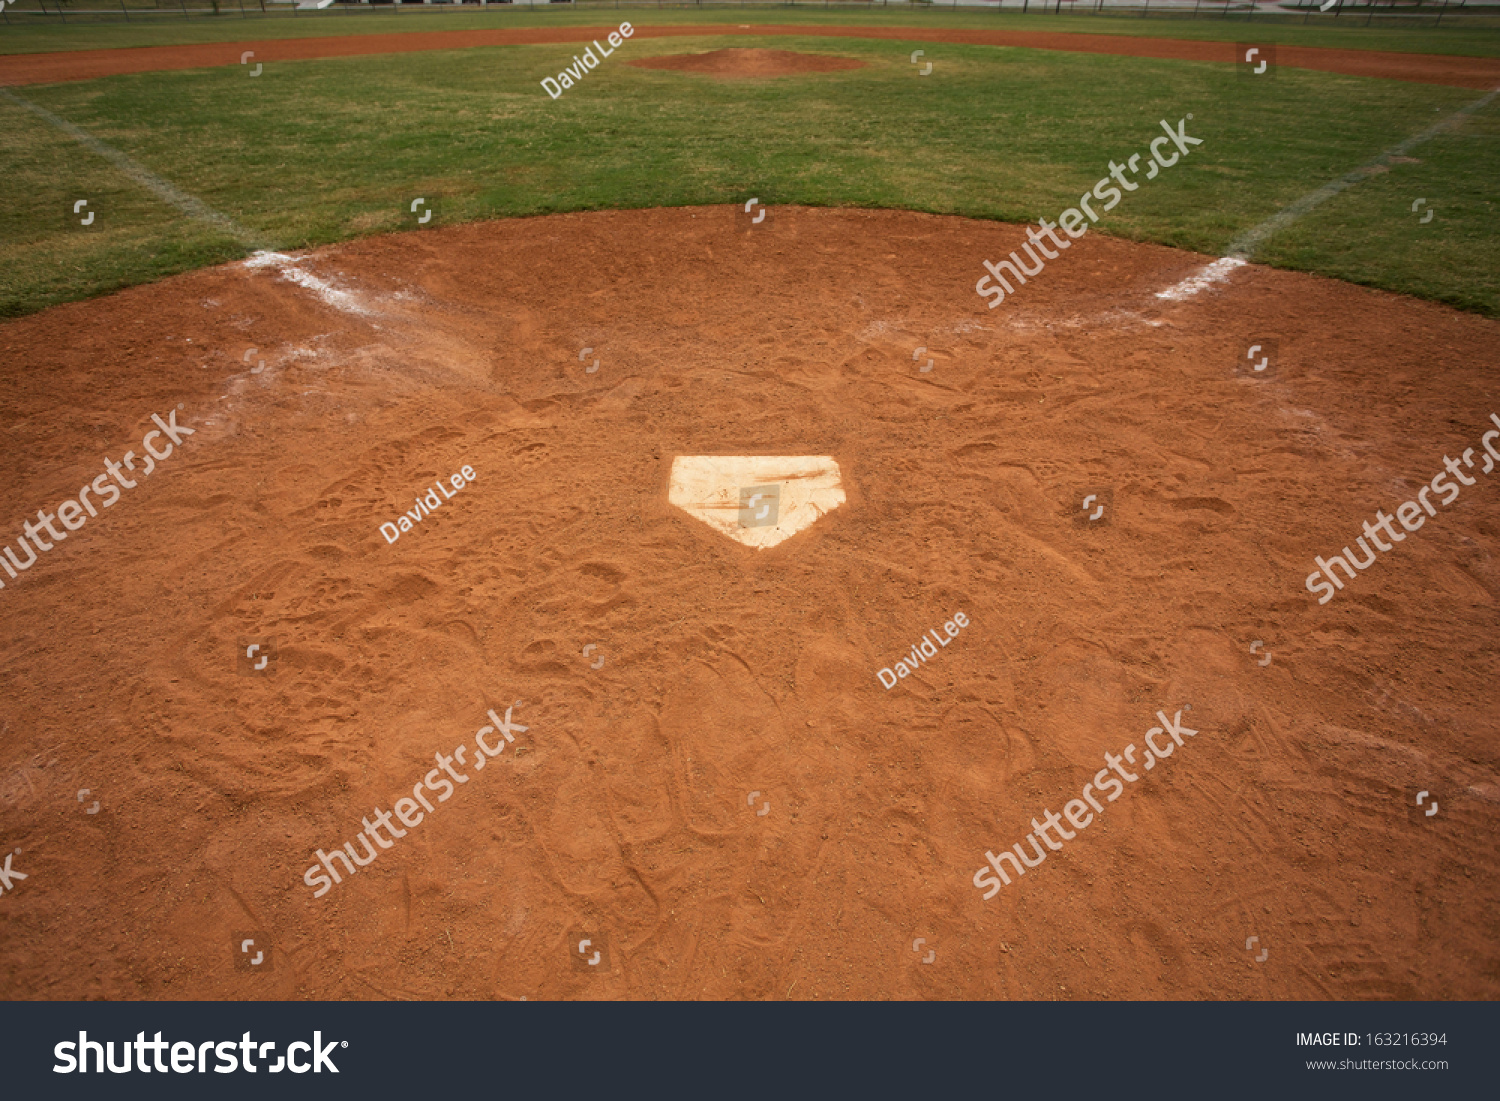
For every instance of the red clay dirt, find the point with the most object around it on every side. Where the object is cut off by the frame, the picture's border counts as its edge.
(17, 69)
(722, 795)
(742, 64)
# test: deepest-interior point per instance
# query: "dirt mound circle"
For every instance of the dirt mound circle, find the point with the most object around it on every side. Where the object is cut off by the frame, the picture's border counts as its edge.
(738, 63)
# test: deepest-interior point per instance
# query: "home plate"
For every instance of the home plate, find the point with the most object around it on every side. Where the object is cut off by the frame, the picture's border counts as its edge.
(758, 500)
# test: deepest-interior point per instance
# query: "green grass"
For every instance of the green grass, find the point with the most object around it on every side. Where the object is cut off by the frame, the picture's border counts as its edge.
(1370, 235)
(1470, 39)
(321, 151)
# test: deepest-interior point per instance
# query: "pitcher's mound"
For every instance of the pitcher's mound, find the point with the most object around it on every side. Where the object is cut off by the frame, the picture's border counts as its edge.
(736, 63)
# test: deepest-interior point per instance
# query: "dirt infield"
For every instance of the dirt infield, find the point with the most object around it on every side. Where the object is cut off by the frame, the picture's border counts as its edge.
(719, 793)
(1461, 72)
(742, 64)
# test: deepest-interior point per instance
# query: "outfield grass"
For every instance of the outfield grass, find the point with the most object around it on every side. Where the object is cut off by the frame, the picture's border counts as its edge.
(319, 151)
(1321, 30)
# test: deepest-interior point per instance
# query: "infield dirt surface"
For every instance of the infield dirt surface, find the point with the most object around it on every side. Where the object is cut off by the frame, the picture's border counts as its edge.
(628, 814)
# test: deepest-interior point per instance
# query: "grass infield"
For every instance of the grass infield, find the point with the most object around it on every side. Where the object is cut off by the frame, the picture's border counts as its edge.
(319, 151)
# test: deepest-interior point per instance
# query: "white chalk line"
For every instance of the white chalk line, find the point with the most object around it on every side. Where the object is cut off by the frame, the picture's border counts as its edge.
(1202, 279)
(1243, 247)
(193, 207)
(287, 267)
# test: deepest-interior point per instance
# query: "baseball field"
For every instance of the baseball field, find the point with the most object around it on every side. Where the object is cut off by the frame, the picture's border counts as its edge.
(766, 503)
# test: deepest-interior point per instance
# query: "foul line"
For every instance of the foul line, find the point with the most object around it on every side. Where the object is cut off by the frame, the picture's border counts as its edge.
(1243, 247)
(184, 202)
(263, 257)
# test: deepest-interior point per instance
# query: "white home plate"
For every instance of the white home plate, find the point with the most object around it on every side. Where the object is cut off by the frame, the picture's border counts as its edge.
(758, 500)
